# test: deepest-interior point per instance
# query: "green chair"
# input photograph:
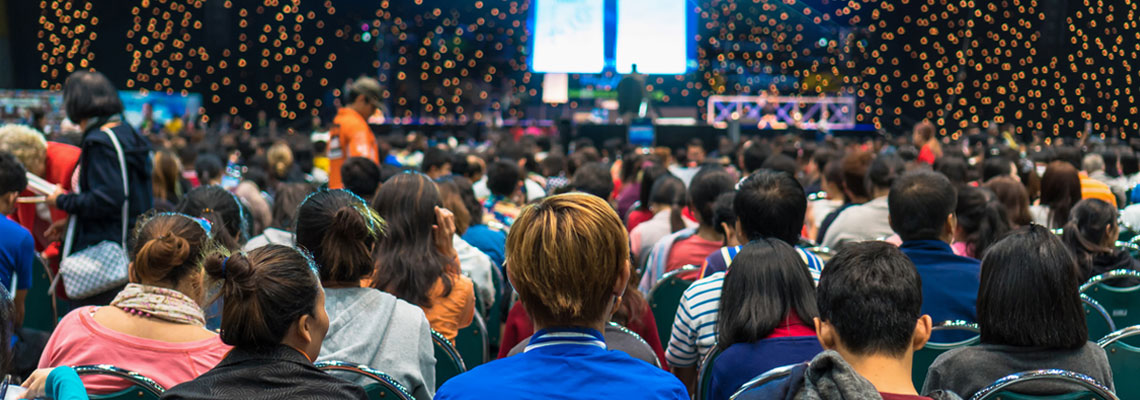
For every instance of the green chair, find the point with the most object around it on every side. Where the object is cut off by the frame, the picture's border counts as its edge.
(448, 363)
(1125, 361)
(39, 305)
(704, 378)
(1122, 303)
(142, 388)
(925, 356)
(1097, 318)
(494, 320)
(664, 298)
(385, 387)
(471, 343)
(1001, 390)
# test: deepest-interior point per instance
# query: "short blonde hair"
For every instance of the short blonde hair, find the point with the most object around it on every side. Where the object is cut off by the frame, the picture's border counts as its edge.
(564, 255)
(280, 158)
(26, 143)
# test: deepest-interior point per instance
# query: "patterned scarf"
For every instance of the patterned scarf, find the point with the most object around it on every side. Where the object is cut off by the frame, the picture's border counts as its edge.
(161, 303)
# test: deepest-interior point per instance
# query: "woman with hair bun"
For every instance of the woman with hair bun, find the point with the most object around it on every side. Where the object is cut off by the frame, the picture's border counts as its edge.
(275, 318)
(155, 326)
(366, 326)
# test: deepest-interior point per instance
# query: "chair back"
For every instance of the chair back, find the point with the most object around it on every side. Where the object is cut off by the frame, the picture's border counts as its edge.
(764, 379)
(448, 363)
(1097, 318)
(471, 343)
(925, 356)
(1002, 388)
(665, 296)
(142, 388)
(704, 377)
(1121, 303)
(41, 313)
(384, 386)
(494, 320)
(1124, 360)
(622, 330)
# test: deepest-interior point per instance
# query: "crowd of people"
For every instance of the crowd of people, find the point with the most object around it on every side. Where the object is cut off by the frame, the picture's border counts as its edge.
(225, 267)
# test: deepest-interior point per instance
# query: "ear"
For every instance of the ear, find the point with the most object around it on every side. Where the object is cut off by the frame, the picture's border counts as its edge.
(305, 327)
(132, 274)
(826, 334)
(922, 330)
(622, 279)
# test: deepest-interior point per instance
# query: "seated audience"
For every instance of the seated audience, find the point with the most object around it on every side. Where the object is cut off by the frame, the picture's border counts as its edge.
(569, 262)
(690, 246)
(225, 212)
(666, 200)
(1091, 235)
(275, 318)
(155, 326)
(289, 197)
(768, 204)
(865, 358)
(1060, 191)
(1093, 180)
(17, 247)
(488, 240)
(867, 221)
(922, 205)
(416, 260)
(850, 177)
(981, 221)
(766, 316)
(1030, 312)
(366, 326)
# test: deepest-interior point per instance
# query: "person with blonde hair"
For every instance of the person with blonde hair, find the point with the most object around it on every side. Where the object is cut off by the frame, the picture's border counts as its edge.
(54, 162)
(568, 258)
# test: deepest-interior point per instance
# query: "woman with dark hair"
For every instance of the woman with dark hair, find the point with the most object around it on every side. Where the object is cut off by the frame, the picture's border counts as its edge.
(767, 309)
(473, 263)
(981, 222)
(955, 168)
(642, 212)
(155, 326)
(629, 190)
(97, 206)
(280, 231)
(1091, 234)
(1030, 312)
(366, 326)
(1014, 199)
(488, 240)
(224, 211)
(275, 318)
(416, 260)
(1060, 190)
(667, 198)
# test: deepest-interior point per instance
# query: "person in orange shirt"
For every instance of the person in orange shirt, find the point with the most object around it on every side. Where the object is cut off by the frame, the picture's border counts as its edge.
(350, 135)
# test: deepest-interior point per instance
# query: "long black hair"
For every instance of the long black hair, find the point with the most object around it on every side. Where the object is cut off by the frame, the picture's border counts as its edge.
(407, 261)
(1029, 295)
(767, 281)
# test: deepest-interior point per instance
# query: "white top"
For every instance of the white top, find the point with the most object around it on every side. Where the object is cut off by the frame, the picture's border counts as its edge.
(867, 221)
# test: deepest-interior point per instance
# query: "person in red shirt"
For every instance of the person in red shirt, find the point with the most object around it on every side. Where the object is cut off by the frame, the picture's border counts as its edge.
(350, 135)
(929, 148)
(55, 163)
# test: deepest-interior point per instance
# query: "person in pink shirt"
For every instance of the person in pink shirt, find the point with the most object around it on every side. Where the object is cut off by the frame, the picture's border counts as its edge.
(155, 326)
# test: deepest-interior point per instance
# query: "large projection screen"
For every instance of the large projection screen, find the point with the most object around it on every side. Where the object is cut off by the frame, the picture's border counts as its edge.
(651, 34)
(569, 36)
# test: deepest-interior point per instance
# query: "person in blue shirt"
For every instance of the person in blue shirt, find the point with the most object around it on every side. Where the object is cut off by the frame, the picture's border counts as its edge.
(17, 248)
(568, 259)
(921, 205)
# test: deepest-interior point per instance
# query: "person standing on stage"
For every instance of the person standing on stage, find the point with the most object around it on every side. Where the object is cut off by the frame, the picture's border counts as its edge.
(350, 135)
(631, 93)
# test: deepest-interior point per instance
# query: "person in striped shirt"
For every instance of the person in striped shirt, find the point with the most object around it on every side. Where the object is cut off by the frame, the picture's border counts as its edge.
(768, 204)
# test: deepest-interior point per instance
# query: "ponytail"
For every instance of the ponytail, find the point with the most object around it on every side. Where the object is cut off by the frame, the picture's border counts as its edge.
(339, 230)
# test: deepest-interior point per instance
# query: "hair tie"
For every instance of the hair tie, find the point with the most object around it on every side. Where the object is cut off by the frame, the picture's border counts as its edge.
(207, 210)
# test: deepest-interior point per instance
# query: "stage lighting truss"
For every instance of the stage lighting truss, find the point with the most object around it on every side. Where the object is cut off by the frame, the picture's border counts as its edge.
(783, 112)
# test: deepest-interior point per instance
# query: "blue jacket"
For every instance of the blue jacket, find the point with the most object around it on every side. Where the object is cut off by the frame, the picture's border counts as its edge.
(949, 282)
